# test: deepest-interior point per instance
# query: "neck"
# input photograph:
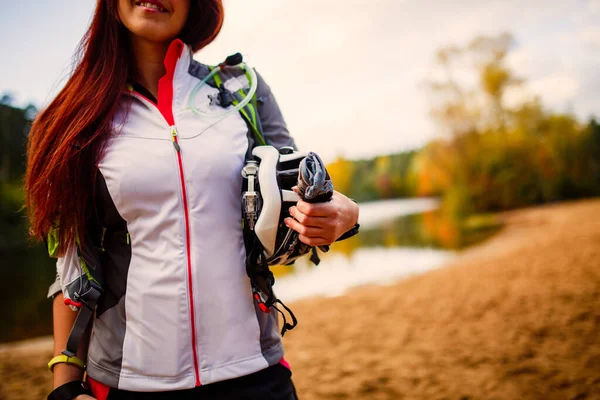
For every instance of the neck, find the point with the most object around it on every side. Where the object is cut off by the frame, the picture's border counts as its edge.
(149, 62)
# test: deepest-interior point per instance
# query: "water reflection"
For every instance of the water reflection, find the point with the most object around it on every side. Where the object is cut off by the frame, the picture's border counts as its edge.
(338, 273)
(434, 229)
(398, 238)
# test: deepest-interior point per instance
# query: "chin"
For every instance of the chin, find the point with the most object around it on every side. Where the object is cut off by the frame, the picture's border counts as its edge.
(153, 32)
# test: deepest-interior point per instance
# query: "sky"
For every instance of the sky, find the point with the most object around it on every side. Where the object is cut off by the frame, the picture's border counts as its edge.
(349, 75)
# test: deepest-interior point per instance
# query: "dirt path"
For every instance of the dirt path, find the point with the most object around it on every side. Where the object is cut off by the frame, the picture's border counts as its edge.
(515, 318)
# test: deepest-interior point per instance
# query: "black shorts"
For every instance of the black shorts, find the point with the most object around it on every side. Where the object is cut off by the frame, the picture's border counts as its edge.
(273, 383)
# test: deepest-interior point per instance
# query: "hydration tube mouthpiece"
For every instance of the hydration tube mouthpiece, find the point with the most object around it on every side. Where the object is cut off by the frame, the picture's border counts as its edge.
(234, 59)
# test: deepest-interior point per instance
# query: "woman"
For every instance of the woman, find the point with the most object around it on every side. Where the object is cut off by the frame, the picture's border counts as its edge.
(118, 160)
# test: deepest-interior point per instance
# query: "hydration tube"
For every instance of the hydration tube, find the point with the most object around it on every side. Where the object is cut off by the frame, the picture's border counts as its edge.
(234, 60)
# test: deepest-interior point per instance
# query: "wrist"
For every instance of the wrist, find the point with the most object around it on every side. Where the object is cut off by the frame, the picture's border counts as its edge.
(351, 214)
(64, 373)
(355, 212)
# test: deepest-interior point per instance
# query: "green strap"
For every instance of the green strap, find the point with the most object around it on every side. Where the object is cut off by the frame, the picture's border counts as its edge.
(251, 120)
(253, 100)
(217, 78)
(84, 266)
(53, 250)
(53, 242)
(252, 107)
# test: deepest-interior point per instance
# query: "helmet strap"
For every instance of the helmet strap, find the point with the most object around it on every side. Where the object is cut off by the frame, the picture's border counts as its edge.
(258, 270)
(286, 326)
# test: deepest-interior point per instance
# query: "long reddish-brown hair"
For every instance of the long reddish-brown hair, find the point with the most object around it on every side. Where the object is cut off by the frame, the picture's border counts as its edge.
(67, 137)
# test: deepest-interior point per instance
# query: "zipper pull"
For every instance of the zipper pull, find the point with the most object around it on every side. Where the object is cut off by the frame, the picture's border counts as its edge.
(174, 137)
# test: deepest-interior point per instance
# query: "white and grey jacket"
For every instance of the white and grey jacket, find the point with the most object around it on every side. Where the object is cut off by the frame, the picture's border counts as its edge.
(177, 309)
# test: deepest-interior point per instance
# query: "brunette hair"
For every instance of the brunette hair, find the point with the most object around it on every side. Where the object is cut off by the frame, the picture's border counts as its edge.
(67, 137)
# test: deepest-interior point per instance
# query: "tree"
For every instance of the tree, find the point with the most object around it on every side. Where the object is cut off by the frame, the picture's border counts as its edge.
(14, 127)
(497, 157)
(464, 102)
(341, 172)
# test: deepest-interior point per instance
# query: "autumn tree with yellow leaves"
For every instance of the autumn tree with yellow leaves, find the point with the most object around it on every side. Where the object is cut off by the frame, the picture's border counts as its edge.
(493, 156)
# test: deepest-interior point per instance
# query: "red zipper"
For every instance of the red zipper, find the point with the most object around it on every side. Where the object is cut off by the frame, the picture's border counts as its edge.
(187, 247)
(175, 140)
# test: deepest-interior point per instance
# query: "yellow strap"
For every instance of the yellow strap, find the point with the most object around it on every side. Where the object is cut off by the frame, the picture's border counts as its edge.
(63, 358)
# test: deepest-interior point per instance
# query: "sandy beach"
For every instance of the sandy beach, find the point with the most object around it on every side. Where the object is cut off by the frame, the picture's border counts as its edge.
(517, 317)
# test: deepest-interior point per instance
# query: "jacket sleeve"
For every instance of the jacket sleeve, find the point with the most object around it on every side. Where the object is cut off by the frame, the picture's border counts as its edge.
(55, 287)
(67, 271)
(274, 127)
(69, 266)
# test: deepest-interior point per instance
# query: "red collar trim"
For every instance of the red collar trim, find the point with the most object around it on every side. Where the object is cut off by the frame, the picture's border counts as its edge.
(165, 84)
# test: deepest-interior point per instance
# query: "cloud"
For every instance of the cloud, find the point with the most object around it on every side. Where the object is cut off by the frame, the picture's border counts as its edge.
(590, 36)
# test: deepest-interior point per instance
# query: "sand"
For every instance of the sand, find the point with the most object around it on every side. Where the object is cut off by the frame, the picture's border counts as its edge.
(517, 317)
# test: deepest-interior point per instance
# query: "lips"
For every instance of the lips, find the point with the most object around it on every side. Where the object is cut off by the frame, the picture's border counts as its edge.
(152, 5)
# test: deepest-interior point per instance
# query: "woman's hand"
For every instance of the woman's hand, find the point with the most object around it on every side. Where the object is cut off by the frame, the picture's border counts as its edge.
(84, 397)
(323, 223)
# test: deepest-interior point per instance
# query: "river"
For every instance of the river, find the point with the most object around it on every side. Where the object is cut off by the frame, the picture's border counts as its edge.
(378, 261)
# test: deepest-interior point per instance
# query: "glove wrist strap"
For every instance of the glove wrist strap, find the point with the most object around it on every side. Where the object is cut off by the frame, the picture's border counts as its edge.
(68, 391)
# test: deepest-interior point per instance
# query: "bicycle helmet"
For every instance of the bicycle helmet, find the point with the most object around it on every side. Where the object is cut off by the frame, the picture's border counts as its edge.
(269, 179)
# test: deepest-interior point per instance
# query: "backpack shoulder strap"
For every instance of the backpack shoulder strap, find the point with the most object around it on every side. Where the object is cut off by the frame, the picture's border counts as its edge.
(249, 112)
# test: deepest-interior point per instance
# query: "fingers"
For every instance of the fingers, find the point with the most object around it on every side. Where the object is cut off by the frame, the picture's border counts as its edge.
(328, 209)
(307, 231)
(307, 220)
(313, 231)
(316, 223)
(313, 241)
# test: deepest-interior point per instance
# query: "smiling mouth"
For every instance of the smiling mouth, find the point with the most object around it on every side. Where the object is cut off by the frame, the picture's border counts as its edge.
(152, 6)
